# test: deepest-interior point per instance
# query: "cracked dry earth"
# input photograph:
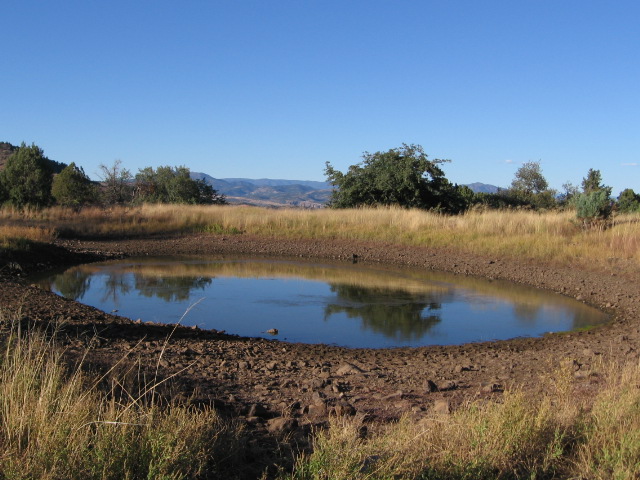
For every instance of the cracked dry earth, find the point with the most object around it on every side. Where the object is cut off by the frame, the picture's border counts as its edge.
(278, 387)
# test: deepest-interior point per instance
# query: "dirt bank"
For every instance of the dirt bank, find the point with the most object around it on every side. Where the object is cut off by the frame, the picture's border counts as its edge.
(277, 387)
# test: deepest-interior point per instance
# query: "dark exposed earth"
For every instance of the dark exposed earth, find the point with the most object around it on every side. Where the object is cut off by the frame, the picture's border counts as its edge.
(278, 388)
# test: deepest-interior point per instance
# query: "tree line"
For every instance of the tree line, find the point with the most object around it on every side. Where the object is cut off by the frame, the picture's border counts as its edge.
(29, 178)
(403, 176)
(406, 177)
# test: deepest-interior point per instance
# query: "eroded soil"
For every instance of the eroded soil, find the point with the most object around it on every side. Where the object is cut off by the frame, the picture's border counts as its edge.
(278, 387)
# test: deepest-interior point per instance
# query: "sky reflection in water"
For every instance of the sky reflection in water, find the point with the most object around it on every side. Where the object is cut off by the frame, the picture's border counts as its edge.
(334, 303)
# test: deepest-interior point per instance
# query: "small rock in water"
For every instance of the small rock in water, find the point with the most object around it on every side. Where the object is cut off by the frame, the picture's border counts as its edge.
(272, 331)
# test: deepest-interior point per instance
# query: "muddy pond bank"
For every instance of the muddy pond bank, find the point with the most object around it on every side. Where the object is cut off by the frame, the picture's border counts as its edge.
(278, 387)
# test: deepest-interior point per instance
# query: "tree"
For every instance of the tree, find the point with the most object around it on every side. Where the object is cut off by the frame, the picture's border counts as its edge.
(628, 201)
(72, 187)
(401, 176)
(207, 195)
(529, 179)
(117, 187)
(567, 197)
(27, 176)
(529, 187)
(593, 182)
(3, 193)
(594, 205)
(174, 185)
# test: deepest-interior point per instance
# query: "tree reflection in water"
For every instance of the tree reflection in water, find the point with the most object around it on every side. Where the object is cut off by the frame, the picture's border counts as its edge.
(170, 289)
(356, 306)
(395, 313)
(72, 284)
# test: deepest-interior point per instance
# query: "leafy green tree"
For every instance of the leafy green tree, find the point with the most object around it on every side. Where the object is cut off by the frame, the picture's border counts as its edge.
(73, 188)
(174, 185)
(401, 176)
(530, 187)
(27, 176)
(529, 179)
(628, 201)
(117, 186)
(593, 182)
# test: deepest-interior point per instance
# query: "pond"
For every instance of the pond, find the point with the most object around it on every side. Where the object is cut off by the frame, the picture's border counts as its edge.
(353, 305)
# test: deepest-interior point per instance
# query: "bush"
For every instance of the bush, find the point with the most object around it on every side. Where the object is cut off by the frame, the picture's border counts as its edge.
(26, 178)
(72, 188)
(594, 208)
(629, 201)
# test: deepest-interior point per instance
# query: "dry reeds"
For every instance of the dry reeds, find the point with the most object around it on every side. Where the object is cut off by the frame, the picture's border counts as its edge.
(553, 436)
(550, 236)
(55, 423)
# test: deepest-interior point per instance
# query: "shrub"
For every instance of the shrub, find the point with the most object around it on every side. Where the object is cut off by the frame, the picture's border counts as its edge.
(594, 208)
(26, 178)
(72, 188)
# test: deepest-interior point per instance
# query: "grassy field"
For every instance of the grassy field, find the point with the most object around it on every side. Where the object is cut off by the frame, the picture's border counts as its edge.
(552, 236)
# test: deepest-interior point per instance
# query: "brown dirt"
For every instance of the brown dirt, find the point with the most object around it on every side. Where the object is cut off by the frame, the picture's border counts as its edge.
(277, 386)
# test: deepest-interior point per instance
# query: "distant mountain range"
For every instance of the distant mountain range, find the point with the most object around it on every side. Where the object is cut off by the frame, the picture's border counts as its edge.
(483, 187)
(266, 192)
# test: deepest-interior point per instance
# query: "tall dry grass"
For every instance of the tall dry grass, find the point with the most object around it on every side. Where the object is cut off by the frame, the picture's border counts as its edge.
(552, 236)
(554, 436)
(55, 423)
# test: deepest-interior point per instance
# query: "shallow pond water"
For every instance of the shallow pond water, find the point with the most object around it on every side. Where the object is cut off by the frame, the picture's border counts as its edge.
(346, 304)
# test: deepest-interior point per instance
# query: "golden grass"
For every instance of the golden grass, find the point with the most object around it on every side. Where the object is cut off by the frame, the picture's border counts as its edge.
(55, 423)
(553, 436)
(550, 236)
(14, 235)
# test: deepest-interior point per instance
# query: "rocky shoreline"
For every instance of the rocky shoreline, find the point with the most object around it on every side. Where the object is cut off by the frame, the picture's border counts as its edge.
(281, 388)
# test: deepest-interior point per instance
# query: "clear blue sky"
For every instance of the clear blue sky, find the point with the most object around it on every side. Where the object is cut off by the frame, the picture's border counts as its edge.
(276, 88)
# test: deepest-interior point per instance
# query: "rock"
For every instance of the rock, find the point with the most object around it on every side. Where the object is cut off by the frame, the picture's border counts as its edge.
(257, 410)
(281, 425)
(343, 409)
(491, 387)
(317, 383)
(447, 385)
(394, 396)
(318, 398)
(271, 366)
(442, 407)
(317, 410)
(570, 364)
(430, 386)
(14, 267)
(349, 369)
